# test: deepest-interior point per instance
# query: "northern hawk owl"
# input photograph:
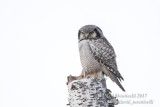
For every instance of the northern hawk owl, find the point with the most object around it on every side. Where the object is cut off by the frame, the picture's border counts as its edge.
(97, 55)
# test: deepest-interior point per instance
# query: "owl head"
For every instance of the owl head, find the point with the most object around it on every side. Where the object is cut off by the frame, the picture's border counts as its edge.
(89, 32)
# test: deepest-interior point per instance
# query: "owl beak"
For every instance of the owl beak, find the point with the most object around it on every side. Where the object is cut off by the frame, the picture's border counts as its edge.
(86, 36)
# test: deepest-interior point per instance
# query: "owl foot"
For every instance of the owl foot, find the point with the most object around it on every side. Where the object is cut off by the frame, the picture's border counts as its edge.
(88, 76)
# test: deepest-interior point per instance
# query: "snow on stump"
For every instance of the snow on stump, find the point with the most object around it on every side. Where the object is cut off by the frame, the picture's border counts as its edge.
(89, 92)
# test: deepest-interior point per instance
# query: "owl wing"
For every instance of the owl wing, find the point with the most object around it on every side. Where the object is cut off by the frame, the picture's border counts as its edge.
(104, 53)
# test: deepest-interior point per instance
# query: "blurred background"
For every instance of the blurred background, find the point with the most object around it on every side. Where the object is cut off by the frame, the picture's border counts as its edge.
(39, 48)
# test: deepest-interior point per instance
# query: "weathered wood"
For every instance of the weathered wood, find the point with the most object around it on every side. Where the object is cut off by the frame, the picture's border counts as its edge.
(89, 92)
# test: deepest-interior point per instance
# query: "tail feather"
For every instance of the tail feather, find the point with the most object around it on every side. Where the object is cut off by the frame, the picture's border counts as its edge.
(119, 84)
(114, 78)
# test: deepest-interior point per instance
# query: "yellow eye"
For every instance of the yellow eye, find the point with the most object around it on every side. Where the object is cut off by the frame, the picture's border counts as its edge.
(91, 33)
(82, 33)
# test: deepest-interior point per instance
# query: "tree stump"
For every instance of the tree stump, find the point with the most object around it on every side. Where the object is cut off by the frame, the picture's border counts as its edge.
(89, 92)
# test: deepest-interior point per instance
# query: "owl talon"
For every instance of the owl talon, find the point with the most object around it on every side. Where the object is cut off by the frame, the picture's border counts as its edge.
(87, 77)
(82, 76)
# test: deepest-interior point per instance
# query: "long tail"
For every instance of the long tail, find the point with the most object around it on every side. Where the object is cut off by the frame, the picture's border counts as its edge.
(114, 78)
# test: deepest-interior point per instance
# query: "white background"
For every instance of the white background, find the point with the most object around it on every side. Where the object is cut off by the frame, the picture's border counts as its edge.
(39, 48)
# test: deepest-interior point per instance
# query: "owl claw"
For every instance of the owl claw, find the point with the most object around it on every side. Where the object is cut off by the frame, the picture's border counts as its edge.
(87, 77)
(82, 76)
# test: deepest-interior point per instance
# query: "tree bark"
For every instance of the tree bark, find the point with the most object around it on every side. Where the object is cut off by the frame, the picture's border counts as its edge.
(89, 92)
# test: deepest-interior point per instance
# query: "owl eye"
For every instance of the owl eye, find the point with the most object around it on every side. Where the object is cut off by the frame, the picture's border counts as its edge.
(82, 33)
(91, 33)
